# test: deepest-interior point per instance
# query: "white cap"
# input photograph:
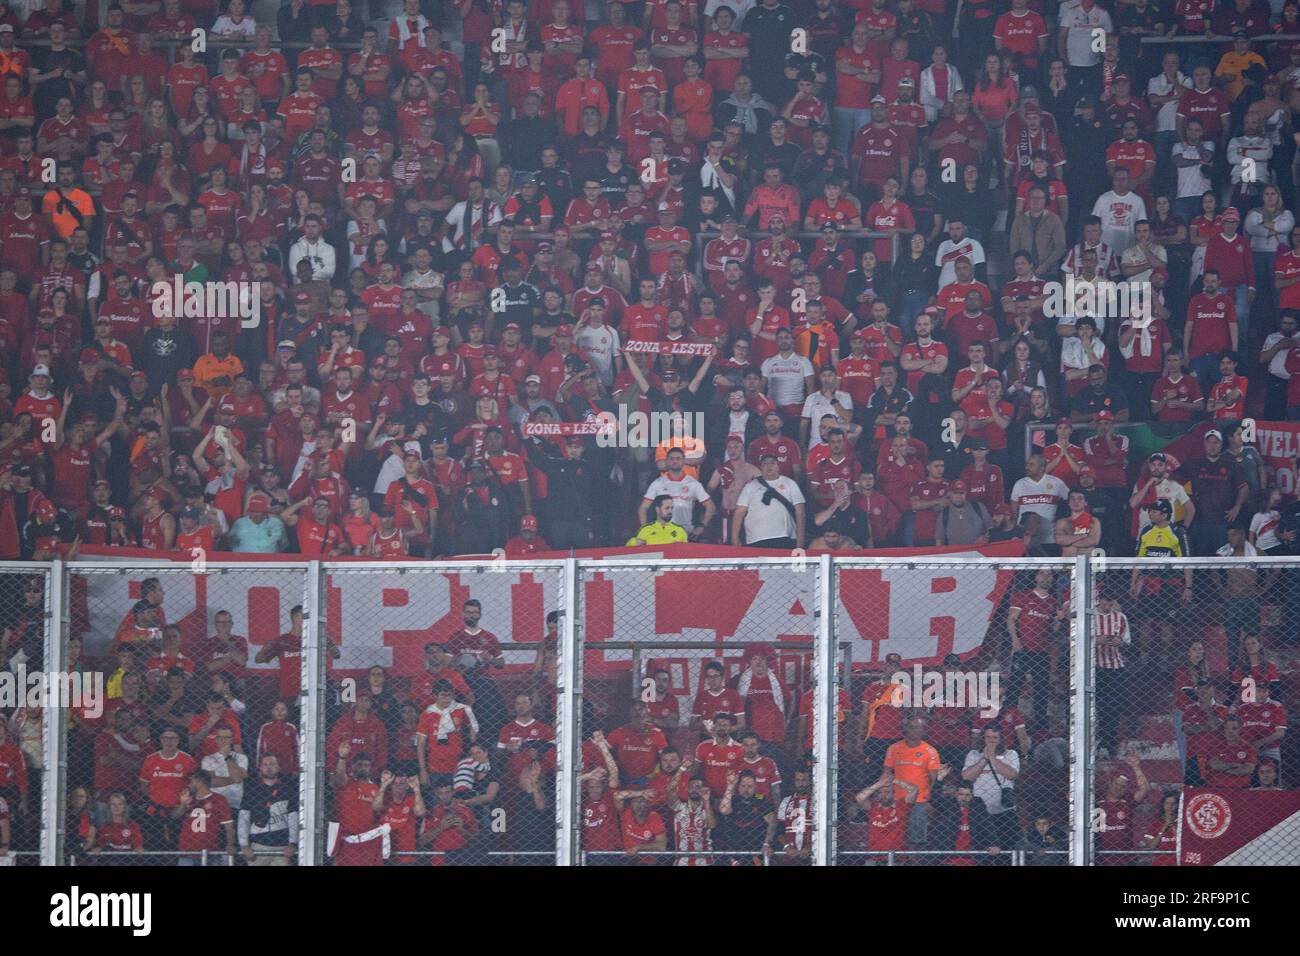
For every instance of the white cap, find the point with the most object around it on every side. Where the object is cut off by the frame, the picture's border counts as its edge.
(40, 370)
(413, 446)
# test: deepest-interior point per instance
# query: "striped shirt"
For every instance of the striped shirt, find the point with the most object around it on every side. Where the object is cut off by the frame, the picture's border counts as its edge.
(1109, 624)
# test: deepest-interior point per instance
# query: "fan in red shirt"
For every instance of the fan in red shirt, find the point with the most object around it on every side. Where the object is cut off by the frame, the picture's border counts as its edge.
(715, 698)
(636, 745)
(444, 730)
(643, 830)
(363, 731)
(449, 827)
(403, 809)
(164, 776)
(1228, 761)
(205, 820)
(719, 755)
(524, 738)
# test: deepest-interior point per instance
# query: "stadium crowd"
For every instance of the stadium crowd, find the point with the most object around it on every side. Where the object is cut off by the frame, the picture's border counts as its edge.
(822, 242)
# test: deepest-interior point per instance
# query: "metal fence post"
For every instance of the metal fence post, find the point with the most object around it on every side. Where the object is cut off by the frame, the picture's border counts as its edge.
(1081, 692)
(568, 758)
(826, 675)
(311, 732)
(55, 723)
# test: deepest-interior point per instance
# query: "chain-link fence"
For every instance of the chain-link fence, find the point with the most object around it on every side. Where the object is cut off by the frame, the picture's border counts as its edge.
(187, 749)
(417, 715)
(24, 626)
(953, 736)
(461, 664)
(696, 688)
(1192, 684)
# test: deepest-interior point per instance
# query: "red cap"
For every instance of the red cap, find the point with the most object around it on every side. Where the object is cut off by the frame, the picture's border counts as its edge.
(857, 334)
(1231, 215)
(736, 436)
(116, 514)
(1105, 415)
(958, 486)
(89, 356)
(442, 330)
(1004, 509)
(528, 523)
(46, 510)
(257, 505)
(564, 330)
(302, 295)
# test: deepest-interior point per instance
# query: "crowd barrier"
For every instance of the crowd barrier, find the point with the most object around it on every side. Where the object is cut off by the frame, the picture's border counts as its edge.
(1090, 670)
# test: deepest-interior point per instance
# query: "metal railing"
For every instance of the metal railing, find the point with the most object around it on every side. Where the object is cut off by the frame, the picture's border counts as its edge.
(832, 626)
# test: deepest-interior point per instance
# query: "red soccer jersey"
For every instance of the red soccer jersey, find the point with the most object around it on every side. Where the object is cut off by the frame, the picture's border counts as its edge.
(716, 760)
(1037, 614)
(166, 777)
(1213, 316)
(637, 753)
(202, 826)
(927, 521)
(1219, 749)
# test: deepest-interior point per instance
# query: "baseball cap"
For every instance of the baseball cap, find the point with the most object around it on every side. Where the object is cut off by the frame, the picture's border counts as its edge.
(735, 436)
(1214, 433)
(528, 523)
(22, 471)
(1158, 456)
(533, 378)
(1161, 505)
(443, 331)
(1105, 415)
(6, 28)
(906, 81)
(190, 513)
(89, 356)
(878, 99)
(669, 375)
(40, 370)
(857, 334)
(379, 362)
(46, 510)
(566, 330)
(257, 504)
(139, 373)
(302, 295)
(977, 444)
(1231, 214)
(958, 486)
(1004, 509)
(102, 483)
(116, 514)
(285, 344)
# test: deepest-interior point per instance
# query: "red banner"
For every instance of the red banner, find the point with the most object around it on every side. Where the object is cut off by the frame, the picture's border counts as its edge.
(1239, 828)
(379, 614)
(669, 348)
(1279, 446)
(565, 429)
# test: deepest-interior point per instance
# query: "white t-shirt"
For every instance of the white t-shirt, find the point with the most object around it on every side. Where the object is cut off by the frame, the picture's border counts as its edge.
(215, 764)
(1081, 23)
(815, 406)
(785, 377)
(1042, 497)
(685, 493)
(1171, 491)
(1167, 116)
(1192, 181)
(1277, 364)
(766, 521)
(987, 787)
(1119, 214)
(601, 345)
(1264, 527)
(949, 252)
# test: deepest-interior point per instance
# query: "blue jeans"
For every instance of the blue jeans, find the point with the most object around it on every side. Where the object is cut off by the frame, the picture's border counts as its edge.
(1206, 370)
(909, 307)
(1242, 303)
(848, 122)
(1188, 208)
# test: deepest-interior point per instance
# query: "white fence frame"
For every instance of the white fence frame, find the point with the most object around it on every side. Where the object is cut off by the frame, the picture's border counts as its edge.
(825, 658)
